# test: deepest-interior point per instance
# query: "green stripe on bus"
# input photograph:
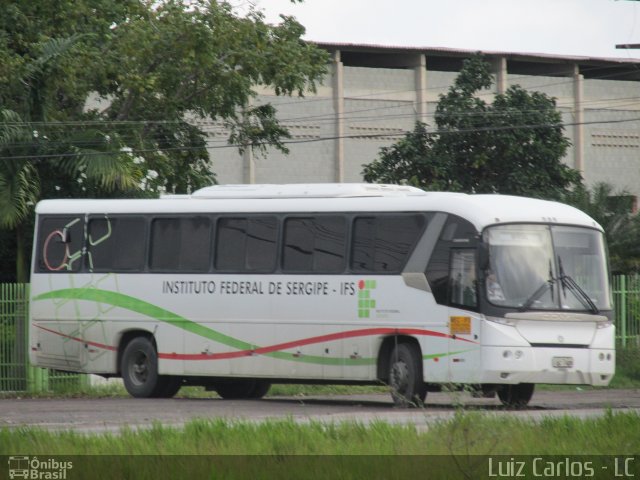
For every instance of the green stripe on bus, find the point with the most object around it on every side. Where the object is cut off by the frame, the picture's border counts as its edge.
(153, 311)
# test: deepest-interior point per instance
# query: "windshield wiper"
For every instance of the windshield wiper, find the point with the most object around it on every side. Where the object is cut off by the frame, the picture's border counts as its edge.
(578, 292)
(540, 291)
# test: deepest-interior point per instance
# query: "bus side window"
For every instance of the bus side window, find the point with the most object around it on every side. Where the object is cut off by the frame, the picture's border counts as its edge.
(116, 244)
(456, 234)
(382, 244)
(462, 278)
(314, 244)
(180, 244)
(246, 244)
(60, 242)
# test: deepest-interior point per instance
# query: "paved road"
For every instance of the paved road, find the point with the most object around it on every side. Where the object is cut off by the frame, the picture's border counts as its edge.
(111, 414)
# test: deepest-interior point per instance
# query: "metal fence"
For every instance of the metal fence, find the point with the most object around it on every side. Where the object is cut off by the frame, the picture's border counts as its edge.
(626, 302)
(13, 337)
(16, 375)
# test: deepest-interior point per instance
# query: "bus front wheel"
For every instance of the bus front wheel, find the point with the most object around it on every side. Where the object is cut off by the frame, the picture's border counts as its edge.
(405, 376)
(139, 369)
(516, 396)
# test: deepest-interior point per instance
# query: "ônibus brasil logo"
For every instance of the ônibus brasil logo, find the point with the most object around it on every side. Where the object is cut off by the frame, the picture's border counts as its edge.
(34, 468)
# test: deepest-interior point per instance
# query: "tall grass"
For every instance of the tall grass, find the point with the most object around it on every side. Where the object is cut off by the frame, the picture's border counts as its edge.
(467, 433)
(225, 449)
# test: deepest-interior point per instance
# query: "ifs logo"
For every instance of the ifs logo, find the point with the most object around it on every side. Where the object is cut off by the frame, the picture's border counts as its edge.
(32, 468)
(365, 302)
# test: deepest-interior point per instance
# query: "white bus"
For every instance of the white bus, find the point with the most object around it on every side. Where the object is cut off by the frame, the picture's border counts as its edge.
(238, 287)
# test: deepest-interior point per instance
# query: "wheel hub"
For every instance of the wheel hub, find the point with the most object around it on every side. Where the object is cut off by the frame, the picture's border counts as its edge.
(140, 369)
(399, 376)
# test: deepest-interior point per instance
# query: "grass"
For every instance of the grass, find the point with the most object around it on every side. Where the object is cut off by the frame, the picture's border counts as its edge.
(468, 432)
(627, 368)
(226, 449)
(291, 450)
(117, 390)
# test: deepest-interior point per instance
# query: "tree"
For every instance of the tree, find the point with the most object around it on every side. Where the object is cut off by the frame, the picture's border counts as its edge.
(171, 62)
(156, 67)
(24, 153)
(513, 145)
(613, 210)
(153, 68)
(411, 161)
(19, 188)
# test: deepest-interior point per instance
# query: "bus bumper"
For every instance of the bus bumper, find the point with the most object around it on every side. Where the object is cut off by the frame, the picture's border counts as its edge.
(573, 366)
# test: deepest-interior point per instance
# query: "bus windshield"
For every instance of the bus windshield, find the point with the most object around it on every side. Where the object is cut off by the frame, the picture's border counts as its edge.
(544, 267)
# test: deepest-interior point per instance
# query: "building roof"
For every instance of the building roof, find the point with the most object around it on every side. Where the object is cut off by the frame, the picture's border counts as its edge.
(446, 51)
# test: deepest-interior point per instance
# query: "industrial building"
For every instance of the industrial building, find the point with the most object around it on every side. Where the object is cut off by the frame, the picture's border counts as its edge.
(374, 94)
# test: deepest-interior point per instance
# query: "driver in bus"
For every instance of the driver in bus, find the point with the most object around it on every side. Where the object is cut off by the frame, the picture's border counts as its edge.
(494, 290)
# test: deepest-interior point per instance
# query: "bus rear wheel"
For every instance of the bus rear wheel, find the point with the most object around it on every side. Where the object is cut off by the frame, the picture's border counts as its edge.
(516, 396)
(168, 386)
(242, 389)
(405, 376)
(260, 389)
(139, 369)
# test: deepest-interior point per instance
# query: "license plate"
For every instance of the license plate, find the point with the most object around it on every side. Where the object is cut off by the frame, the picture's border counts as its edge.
(562, 362)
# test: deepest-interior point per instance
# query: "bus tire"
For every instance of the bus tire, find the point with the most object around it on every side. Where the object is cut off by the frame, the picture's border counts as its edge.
(168, 386)
(139, 369)
(516, 396)
(260, 389)
(405, 376)
(236, 389)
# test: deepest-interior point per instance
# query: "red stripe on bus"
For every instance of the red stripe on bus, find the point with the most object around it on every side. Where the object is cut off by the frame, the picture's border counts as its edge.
(307, 341)
(93, 344)
(277, 347)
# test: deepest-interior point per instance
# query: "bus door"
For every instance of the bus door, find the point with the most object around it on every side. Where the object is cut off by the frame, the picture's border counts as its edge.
(464, 322)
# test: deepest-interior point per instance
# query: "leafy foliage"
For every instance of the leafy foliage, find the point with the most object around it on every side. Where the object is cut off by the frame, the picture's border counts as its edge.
(411, 161)
(104, 98)
(513, 145)
(18, 179)
(614, 211)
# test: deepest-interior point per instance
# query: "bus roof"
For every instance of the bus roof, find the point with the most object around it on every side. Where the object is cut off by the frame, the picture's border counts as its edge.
(481, 210)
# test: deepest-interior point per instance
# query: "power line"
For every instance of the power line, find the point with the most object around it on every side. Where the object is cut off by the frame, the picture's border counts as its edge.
(370, 96)
(321, 139)
(329, 117)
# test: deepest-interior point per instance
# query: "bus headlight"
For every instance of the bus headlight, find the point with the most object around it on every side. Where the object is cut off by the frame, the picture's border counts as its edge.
(518, 354)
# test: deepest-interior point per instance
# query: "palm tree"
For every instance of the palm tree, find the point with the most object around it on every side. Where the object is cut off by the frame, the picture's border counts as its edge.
(19, 185)
(23, 156)
(613, 210)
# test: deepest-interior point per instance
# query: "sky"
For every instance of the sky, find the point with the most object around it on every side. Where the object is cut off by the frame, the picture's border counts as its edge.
(587, 28)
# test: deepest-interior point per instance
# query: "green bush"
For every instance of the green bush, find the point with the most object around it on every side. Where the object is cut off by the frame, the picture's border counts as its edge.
(628, 362)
